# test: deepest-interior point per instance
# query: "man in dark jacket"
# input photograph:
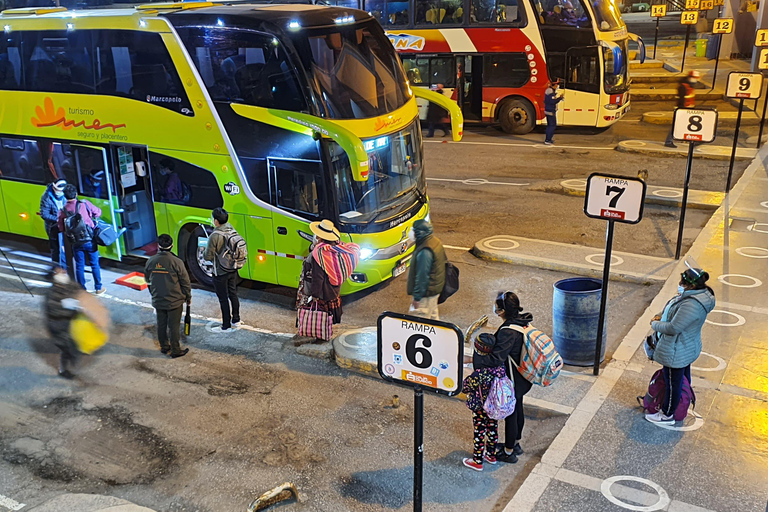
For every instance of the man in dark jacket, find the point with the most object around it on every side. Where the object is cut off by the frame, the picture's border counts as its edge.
(426, 277)
(224, 282)
(435, 116)
(51, 204)
(61, 306)
(686, 98)
(170, 288)
(551, 99)
(80, 235)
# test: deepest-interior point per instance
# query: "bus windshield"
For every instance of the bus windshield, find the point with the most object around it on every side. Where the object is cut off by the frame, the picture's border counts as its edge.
(396, 174)
(615, 79)
(355, 69)
(607, 16)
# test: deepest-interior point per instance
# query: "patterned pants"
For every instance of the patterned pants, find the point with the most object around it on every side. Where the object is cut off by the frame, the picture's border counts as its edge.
(484, 426)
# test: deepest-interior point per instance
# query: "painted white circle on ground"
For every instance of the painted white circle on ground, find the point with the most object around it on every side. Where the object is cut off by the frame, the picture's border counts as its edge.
(755, 281)
(698, 422)
(342, 340)
(506, 244)
(574, 183)
(634, 143)
(615, 260)
(721, 364)
(740, 320)
(764, 204)
(605, 488)
(665, 192)
(753, 227)
(210, 325)
(744, 251)
(475, 181)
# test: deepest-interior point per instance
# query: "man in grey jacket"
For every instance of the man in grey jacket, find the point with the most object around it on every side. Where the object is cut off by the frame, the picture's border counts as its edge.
(170, 288)
(679, 337)
(224, 282)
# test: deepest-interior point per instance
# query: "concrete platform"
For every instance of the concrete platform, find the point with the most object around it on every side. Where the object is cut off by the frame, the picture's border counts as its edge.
(723, 118)
(574, 259)
(752, 141)
(88, 503)
(705, 151)
(666, 93)
(635, 65)
(665, 196)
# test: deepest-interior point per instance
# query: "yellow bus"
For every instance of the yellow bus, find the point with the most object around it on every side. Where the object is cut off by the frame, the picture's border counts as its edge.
(281, 114)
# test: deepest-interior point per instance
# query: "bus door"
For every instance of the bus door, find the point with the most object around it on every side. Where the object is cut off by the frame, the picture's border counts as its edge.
(472, 85)
(297, 187)
(582, 86)
(134, 199)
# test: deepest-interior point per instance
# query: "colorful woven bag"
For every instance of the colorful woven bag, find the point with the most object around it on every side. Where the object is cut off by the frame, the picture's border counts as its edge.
(314, 323)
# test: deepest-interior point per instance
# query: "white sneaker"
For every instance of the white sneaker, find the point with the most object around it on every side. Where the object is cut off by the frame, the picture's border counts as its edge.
(219, 330)
(237, 324)
(660, 418)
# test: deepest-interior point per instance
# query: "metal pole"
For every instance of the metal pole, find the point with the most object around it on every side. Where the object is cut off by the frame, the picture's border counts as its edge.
(717, 60)
(656, 38)
(762, 120)
(603, 295)
(418, 447)
(685, 46)
(684, 206)
(733, 149)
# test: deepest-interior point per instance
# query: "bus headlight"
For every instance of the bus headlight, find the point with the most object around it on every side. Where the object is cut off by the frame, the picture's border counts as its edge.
(612, 106)
(366, 253)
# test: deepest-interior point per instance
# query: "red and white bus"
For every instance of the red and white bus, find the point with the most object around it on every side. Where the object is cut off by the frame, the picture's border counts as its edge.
(495, 57)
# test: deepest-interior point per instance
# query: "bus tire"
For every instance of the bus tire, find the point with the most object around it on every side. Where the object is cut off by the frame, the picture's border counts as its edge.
(201, 271)
(517, 116)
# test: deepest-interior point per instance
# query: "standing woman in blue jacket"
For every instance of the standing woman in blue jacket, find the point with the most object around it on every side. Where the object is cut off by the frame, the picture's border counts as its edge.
(551, 99)
(678, 330)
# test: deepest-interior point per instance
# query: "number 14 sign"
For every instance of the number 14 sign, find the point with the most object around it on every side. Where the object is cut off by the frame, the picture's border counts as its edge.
(615, 198)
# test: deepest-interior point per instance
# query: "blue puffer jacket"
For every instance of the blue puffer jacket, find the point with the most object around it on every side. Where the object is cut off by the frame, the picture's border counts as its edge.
(49, 210)
(551, 100)
(680, 328)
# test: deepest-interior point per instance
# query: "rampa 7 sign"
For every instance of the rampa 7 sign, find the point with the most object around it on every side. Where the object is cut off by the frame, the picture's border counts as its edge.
(616, 198)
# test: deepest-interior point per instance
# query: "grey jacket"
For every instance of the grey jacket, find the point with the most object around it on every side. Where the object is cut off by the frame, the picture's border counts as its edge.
(680, 328)
(216, 244)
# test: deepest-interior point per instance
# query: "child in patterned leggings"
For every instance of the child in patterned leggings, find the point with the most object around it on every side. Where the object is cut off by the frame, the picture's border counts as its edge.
(476, 387)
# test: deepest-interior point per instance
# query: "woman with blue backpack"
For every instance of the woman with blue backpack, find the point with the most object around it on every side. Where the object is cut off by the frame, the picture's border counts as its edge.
(678, 338)
(509, 344)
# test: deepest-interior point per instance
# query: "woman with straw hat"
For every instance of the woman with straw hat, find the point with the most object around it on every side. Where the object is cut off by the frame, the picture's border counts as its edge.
(328, 265)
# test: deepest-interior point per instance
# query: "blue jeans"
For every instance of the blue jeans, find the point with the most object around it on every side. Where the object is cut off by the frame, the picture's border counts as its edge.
(673, 378)
(90, 253)
(551, 125)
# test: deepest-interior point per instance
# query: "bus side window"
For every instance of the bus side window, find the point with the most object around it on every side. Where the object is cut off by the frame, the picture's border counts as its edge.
(389, 12)
(442, 70)
(10, 62)
(21, 160)
(58, 61)
(178, 182)
(505, 70)
(582, 70)
(496, 11)
(441, 12)
(416, 69)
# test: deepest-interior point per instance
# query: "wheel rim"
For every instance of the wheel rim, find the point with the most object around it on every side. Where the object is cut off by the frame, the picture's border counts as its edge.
(205, 266)
(518, 116)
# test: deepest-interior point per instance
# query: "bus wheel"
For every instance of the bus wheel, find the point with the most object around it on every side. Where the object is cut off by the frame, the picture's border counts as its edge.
(517, 116)
(201, 270)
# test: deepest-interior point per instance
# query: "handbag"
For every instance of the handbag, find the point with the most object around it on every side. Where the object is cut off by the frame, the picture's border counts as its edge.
(104, 234)
(650, 344)
(315, 323)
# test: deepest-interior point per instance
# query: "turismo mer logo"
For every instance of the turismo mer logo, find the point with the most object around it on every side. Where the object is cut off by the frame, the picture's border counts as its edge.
(48, 115)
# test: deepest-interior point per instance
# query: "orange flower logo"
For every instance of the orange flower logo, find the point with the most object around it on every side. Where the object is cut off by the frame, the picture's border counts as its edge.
(382, 123)
(49, 115)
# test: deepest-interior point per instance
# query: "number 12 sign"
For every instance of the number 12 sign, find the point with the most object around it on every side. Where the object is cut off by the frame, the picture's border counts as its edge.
(418, 352)
(616, 198)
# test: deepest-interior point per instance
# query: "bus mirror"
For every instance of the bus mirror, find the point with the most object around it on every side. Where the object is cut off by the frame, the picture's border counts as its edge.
(314, 127)
(457, 118)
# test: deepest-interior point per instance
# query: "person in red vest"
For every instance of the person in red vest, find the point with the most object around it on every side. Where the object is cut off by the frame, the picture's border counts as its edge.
(686, 98)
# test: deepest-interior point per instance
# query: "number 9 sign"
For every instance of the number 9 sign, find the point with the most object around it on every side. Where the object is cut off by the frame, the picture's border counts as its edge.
(744, 85)
(694, 124)
(422, 353)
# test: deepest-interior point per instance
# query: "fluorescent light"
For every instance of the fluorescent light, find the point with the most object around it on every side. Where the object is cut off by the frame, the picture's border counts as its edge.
(294, 25)
(70, 26)
(7, 28)
(219, 22)
(344, 19)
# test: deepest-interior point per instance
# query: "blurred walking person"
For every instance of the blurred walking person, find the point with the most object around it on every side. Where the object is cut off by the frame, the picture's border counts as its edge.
(426, 277)
(76, 221)
(686, 98)
(51, 203)
(169, 285)
(436, 115)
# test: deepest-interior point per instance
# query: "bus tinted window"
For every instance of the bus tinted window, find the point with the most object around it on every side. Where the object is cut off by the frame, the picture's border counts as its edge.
(299, 187)
(244, 67)
(389, 13)
(582, 70)
(58, 61)
(441, 12)
(10, 62)
(430, 70)
(175, 181)
(496, 11)
(563, 12)
(22, 160)
(356, 70)
(505, 70)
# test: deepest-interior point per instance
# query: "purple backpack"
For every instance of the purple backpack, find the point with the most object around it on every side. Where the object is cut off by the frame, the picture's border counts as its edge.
(501, 399)
(657, 392)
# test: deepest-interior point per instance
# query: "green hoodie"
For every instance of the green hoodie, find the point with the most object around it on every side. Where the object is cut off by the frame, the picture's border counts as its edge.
(427, 275)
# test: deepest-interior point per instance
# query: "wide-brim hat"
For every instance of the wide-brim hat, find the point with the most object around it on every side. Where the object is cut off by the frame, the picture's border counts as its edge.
(325, 230)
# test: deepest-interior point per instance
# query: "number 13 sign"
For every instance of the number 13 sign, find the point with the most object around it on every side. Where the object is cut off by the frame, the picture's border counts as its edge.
(614, 198)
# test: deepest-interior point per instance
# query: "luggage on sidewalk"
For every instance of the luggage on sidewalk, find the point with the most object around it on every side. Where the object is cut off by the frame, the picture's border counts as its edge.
(657, 392)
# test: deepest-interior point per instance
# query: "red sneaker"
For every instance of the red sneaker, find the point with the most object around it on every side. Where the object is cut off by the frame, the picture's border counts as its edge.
(471, 464)
(490, 459)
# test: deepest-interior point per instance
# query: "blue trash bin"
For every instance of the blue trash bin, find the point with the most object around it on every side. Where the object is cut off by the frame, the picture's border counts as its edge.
(575, 315)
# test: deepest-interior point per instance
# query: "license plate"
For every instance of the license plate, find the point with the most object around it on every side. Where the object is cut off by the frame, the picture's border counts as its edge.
(400, 269)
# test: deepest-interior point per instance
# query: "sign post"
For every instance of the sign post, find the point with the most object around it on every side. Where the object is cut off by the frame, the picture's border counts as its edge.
(426, 355)
(658, 12)
(688, 17)
(720, 26)
(743, 86)
(691, 125)
(615, 199)
(761, 39)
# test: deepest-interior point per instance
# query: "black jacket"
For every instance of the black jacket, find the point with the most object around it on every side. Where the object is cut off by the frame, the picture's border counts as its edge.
(49, 210)
(168, 281)
(509, 343)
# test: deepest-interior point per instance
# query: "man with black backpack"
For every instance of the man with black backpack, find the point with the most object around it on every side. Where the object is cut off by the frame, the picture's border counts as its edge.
(77, 222)
(226, 249)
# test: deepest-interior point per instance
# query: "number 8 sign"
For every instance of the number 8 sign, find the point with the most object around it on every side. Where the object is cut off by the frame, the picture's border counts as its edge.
(418, 352)
(694, 125)
(616, 198)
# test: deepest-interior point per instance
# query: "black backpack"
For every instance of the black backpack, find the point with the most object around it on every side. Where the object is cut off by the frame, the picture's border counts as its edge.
(234, 254)
(451, 282)
(77, 231)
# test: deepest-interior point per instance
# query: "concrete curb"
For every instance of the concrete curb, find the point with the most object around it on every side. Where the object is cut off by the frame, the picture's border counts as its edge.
(724, 119)
(705, 151)
(667, 94)
(88, 503)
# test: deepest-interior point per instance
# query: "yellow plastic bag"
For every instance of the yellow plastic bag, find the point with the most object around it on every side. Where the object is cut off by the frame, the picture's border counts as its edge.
(88, 337)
